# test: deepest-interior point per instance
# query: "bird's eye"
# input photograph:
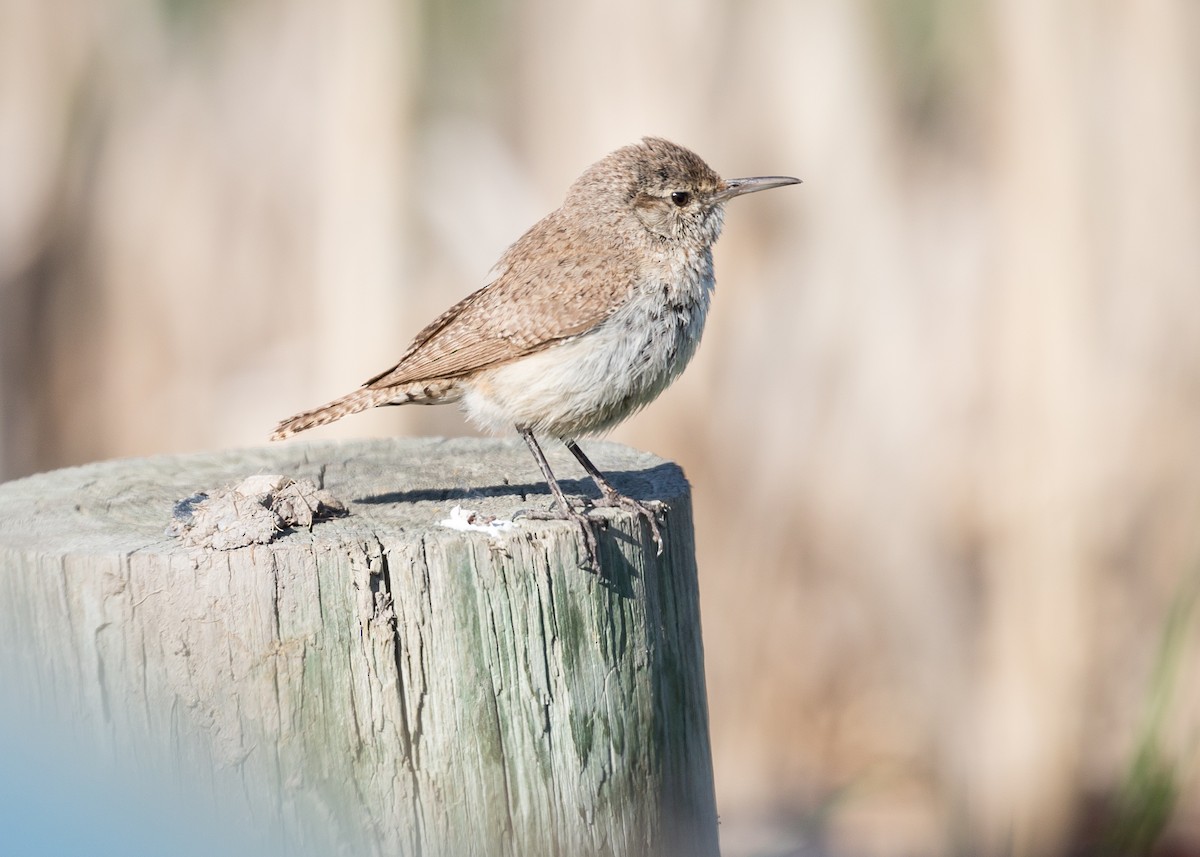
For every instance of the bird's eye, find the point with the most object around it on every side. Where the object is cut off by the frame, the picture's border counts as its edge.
(681, 198)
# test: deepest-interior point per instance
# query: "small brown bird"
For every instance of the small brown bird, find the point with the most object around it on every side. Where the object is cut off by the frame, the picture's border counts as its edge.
(592, 313)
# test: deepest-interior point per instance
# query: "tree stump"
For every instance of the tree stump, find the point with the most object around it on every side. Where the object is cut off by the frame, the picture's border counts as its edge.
(380, 683)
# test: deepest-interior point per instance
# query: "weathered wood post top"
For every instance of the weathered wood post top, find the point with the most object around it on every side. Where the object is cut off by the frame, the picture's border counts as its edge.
(422, 675)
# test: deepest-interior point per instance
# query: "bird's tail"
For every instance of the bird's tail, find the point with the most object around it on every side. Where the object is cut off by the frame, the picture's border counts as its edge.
(357, 401)
(368, 397)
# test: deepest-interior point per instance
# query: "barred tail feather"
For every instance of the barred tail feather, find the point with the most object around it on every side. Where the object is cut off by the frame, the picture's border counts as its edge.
(427, 393)
(357, 401)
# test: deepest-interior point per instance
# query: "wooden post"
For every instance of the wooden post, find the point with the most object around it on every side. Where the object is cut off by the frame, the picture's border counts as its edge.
(381, 684)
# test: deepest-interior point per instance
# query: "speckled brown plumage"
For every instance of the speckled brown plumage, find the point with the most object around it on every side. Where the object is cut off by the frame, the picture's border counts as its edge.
(591, 314)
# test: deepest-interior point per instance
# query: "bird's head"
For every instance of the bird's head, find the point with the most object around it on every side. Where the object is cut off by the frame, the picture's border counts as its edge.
(670, 190)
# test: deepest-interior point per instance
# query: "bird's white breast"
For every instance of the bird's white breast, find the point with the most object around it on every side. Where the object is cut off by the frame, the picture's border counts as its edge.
(593, 381)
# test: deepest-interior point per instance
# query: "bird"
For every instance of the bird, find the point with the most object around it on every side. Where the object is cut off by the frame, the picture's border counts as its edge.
(588, 317)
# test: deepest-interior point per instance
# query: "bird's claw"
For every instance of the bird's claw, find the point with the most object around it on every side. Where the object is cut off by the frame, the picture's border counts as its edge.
(649, 512)
(557, 513)
(617, 500)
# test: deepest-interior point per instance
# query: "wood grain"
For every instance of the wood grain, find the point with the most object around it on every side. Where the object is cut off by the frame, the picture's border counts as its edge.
(380, 684)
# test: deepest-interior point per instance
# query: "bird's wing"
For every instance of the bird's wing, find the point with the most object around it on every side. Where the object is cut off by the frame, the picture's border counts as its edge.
(553, 284)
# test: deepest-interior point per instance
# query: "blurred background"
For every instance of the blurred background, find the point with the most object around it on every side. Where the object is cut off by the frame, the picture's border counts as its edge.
(944, 428)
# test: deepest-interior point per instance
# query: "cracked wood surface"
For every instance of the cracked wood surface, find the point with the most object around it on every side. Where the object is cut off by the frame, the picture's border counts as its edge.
(379, 684)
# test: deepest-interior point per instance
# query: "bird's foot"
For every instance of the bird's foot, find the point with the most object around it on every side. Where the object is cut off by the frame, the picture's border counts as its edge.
(569, 513)
(648, 511)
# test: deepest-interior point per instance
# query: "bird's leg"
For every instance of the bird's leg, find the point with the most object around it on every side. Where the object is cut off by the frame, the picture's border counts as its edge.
(613, 497)
(565, 510)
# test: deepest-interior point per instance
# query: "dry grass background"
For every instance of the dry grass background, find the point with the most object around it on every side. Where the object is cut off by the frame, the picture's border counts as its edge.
(944, 428)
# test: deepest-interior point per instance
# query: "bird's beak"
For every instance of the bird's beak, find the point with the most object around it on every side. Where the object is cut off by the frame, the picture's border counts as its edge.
(737, 187)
